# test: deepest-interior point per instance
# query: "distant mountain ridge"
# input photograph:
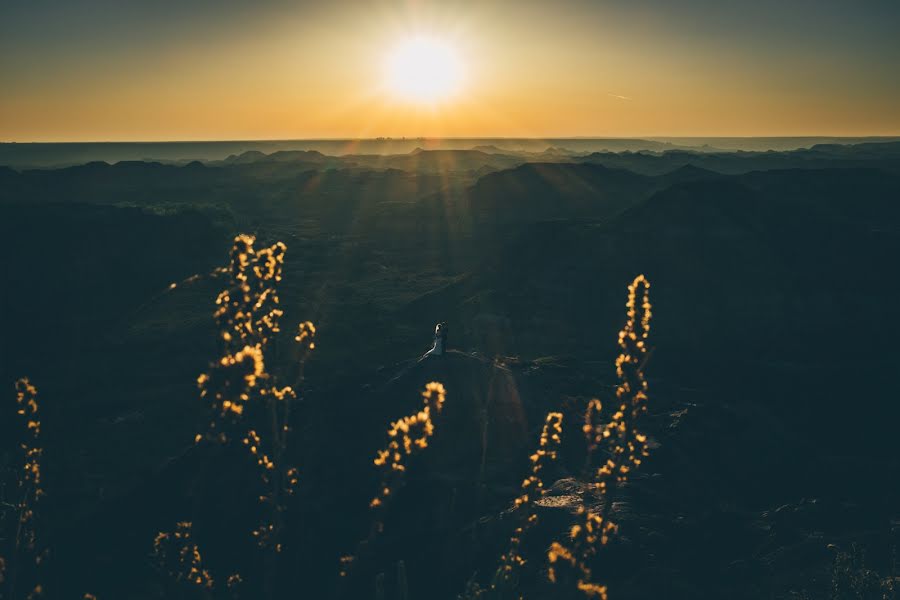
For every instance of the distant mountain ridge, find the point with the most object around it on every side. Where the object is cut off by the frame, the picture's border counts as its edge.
(884, 155)
(50, 154)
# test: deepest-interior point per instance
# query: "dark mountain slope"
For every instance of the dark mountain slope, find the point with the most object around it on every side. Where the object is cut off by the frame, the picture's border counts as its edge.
(746, 280)
(884, 155)
(77, 270)
(539, 191)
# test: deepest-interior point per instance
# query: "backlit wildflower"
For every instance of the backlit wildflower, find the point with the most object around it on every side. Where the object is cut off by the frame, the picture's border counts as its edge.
(406, 437)
(306, 335)
(246, 399)
(248, 311)
(623, 444)
(178, 555)
(25, 553)
(532, 489)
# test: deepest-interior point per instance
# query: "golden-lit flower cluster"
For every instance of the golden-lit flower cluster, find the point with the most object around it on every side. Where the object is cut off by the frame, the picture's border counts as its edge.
(178, 555)
(26, 398)
(406, 436)
(278, 480)
(243, 393)
(306, 343)
(234, 581)
(532, 489)
(594, 428)
(26, 556)
(629, 445)
(253, 441)
(248, 311)
(624, 445)
(20, 569)
(230, 384)
(265, 532)
(306, 335)
(247, 316)
(584, 538)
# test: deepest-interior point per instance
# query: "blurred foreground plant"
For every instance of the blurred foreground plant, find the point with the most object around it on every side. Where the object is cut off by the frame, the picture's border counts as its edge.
(20, 517)
(533, 487)
(853, 579)
(406, 437)
(178, 556)
(624, 448)
(248, 403)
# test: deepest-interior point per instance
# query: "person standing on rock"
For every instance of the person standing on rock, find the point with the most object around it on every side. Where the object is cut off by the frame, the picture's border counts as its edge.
(440, 341)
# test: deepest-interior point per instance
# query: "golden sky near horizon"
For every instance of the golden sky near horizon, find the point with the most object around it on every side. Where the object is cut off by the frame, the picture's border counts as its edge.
(280, 70)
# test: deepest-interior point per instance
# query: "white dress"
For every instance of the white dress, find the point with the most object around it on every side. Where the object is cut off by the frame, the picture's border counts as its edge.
(438, 348)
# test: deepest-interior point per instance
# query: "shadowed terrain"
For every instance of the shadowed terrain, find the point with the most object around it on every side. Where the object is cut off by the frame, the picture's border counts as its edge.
(773, 396)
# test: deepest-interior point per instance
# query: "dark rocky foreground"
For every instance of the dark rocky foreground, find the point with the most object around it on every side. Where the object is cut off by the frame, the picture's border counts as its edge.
(732, 502)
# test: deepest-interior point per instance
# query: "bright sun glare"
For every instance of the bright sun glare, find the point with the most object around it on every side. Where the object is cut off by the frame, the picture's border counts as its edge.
(424, 70)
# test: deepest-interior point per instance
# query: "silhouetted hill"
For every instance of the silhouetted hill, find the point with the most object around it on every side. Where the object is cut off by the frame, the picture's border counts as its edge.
(300, 156)
(489, 149)
(446, 161)
(537, 191)
(882, 155)
(689, 173)
(245, 157)
(82, 267)
(866, 150)
(419, 160)
(766, 276)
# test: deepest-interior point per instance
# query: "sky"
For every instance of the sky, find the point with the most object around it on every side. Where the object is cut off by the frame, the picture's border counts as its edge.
(123, 70)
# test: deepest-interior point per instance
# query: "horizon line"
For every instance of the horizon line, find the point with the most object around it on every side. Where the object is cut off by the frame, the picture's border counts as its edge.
(437, 138)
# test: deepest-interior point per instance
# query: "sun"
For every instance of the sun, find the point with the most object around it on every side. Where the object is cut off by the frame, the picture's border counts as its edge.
(423, 70)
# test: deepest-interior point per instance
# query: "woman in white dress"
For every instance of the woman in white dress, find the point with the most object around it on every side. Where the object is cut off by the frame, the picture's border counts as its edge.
(440, 341)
